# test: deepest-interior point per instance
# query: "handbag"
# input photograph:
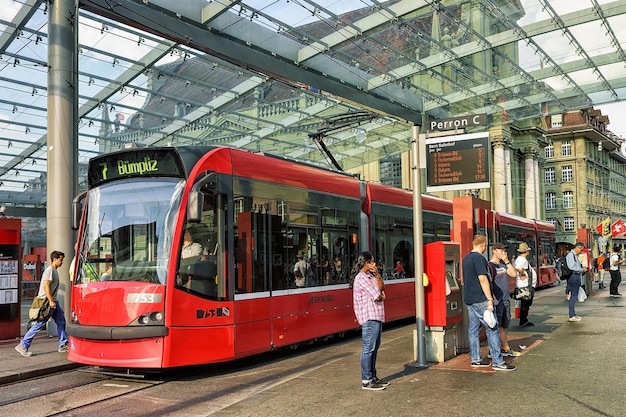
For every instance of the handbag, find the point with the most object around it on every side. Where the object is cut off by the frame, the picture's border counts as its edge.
(523, 293)
(582, 295)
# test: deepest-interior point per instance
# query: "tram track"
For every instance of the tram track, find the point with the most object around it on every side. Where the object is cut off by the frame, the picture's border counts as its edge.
(202, 390)
(65, 393)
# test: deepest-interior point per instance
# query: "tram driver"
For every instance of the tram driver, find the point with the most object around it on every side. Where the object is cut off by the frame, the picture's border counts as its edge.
(190, 254)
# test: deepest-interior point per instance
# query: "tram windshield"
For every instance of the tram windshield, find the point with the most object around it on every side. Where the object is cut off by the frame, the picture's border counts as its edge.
(129, 231)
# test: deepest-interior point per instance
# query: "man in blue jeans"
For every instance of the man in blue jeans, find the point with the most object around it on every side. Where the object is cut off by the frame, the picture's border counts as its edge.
(573, 263)
(478, 298)
(48, 288)
(368, 296)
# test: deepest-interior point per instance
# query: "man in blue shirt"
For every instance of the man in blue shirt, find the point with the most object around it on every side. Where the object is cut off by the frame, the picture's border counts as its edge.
(478, 298)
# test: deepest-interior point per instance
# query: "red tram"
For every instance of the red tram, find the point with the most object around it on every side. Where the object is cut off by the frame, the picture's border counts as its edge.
(202, 242)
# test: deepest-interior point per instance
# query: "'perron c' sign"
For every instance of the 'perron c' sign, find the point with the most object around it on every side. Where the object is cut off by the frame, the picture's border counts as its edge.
(457, 122)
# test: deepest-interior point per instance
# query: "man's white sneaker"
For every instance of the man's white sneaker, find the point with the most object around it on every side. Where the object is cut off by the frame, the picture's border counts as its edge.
(23, 351)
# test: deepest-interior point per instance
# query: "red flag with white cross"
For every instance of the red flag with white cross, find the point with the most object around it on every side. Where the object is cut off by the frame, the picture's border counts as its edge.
(618, 228)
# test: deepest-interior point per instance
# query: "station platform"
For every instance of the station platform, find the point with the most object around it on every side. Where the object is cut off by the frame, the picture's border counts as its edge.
(564, 369)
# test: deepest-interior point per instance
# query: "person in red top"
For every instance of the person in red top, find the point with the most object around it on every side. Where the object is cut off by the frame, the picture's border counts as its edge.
(369, 308)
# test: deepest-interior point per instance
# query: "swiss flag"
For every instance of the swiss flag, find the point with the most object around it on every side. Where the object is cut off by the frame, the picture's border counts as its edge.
(618, 228)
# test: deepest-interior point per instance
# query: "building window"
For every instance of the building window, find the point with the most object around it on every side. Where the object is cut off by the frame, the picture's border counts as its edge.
(550, 175)
(391, 172)
(553, 222)
(567, 173)
(566, 148)
(568, 199)
(549, 151)
(550, 201)
(568, 223)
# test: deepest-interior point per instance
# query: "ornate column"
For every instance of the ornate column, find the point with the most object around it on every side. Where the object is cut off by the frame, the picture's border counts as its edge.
(499, 182)
(502, 198)
(531, 171)
(509, 181)
(538, 195)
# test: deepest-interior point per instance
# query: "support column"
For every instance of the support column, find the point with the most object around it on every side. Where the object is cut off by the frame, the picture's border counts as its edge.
(499, 184)
(538, 199)
(510, 207)
(531, 183)
(62, 146)
(502, 196)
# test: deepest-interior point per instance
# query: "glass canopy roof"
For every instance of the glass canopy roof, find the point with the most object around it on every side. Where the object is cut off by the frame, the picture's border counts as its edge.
(268, 75)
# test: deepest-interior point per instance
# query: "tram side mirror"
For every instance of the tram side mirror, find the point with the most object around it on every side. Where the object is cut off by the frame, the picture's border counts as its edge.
(194, 206)
(77, 213)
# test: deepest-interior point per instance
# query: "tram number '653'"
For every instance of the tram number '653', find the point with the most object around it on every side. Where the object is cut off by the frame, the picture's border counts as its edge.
(141, 298)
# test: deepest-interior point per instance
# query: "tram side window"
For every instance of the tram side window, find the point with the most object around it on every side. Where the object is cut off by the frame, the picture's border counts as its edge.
(275, 238)
(394, 246)
(546, 251)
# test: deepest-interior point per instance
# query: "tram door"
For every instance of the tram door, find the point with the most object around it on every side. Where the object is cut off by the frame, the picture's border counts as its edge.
(260, 260)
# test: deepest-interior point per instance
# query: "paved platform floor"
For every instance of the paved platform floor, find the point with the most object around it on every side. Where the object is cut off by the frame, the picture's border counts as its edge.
(566, 369)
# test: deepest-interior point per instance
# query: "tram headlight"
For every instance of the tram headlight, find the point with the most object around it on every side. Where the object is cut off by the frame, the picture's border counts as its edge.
(149, 319)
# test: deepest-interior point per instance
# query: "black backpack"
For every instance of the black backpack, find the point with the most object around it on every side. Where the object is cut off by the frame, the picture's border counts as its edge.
(606, 264)
(565, 271)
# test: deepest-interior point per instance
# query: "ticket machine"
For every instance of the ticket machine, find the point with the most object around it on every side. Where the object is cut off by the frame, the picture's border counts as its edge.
(443, 300)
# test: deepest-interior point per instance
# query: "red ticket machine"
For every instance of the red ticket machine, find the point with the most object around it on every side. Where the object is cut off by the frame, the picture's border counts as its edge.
(443, 299)
(10, 277)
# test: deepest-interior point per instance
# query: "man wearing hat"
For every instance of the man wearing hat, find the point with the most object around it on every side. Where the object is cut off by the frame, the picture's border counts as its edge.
(527, 275)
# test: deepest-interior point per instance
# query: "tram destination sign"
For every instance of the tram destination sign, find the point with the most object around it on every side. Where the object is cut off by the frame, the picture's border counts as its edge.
(134, 163)
(458, 162)
(472, 120)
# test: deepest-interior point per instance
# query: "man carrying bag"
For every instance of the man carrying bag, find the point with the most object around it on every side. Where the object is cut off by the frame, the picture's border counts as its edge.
(47, 295)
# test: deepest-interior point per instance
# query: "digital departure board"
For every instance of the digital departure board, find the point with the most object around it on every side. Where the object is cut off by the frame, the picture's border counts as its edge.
(135, 163)
(457, 162)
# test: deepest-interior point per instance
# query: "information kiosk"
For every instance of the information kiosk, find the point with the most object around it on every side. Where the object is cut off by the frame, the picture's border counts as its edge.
(10, 277)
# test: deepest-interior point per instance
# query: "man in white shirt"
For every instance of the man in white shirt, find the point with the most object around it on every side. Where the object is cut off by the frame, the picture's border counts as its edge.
(616, 275)
(526, 274)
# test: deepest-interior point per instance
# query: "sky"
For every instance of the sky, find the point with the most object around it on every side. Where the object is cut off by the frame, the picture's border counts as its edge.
(617, 117)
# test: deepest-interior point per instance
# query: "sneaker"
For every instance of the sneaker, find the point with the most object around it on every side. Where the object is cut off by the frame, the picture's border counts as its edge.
(63, 348)
(575, 318)
(504, 367)
(527, 324)
(23, 351)
(480, 364)
(372, 386)
(375, 380)
(509, 352)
